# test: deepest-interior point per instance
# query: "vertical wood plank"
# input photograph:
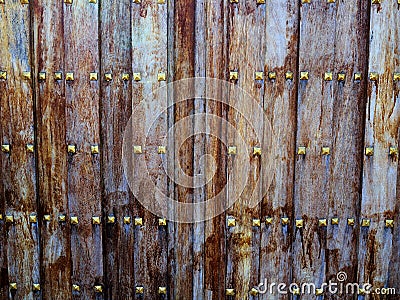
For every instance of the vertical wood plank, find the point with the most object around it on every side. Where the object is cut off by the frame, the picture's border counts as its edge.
(116, 108)
(379, 193)
(18, 165)
(82, 131)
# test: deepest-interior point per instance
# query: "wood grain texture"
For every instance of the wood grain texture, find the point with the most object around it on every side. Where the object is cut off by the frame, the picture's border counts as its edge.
(115, 110)
(82, 130)
(281, 38)
(379, 188)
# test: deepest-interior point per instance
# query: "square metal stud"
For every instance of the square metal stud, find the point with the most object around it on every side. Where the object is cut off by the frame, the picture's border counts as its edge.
(328, 76)
(108, 77)
(341, 76)
(42, 76)
(5, 148)
(230, 292)
(335, 221)
(76, 288)
(110, 219)
(254, 291)
(260, 1)
(138, 221)
(357, 76)
(256, 222)
(306, 1)
(304, 75)
(350, 222)
(301, 150)
(285, 221)
(161, 76)
(234, 1)
(127, 220)
(361, 291)
(74, 220)
(389, 223)
(32, 219)
(396, 76)
(47, 218)
(322, 222)
(3, 75)
(161, 1)
(9, 219)
(61, 218)
(365, 222)
(233, 75)
(272, 75)
(68, 1)
(289, 75)
(137, 76)
(376, 1)
(296, 291)
(92, 1)
(139, 290)
(232, 150)
(162, 290)
(69, 76)
(94, 149)
(325, 151)
(299, 223)
(369, 151)
(71, 149)
(26, 75)
(96, 220)
(136, 1)
(162, 149)
(268, 221)
(1, 217)
(98, 288)
(13, 286)
(257, 151)
(57, 75)
(259, 75)
(93, 76)
(125, 76)
(373, 76)
(162, 222)
(331, 1)
(231, 222)
(36, 287)
(393, 151)
(319, 292)
(137, 149)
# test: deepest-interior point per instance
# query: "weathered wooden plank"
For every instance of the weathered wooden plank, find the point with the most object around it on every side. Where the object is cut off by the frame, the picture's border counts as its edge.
(246, 56)
(82, 131)
(116, 108)
(281, 38)
(18, 165)
(149, 32)
(379, 193)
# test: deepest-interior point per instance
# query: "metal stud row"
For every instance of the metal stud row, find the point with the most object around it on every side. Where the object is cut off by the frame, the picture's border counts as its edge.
(369, 151)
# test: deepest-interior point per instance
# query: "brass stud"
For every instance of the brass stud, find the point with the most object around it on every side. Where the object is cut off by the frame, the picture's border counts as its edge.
(361, 291)
(162, 222)
(389, 223)
(259, 75)
(306, 1)
(162, 290)
(36, 287)
(304, 75)
(272, 75)
(254, 291)
(71, 149)
(98, 288)
(94, 149)
(93, 76)
(322, 222)
(96, 220)
(68, 1)
(138, 221)
(369, 151)
(137, 149)
(376, 1)
(92, 1)
(373, 76)
(335, 221)
(365, 222)
(325, 151)
(57, 75)
(74, 220)
(341, 76)
(69, 76)
(30, 148)
(289, 75)
(161, 76)
(296, 291)
(33, 219)
(9, 219)
(162, 150)
(139, 290)
(161, 1)
(319, 292)
(328, 76)
(125, 76)
(136, 1)
(285, 221)
(257, 151)
(232, 150)
(331, 1)
(110, 219)
(13, 286)
(108, 77)
(127, 220)
(42, 76)
(301, 150)
(357, 76)
(26, 75)
(61, 218)
(268, 221)
(260, 1)
(396, 76)
(137, 76)
(3, 74)
(231, 222)
(234, 1)
(5, 148)
(393, 151)
(47, 218)
(230, 292)
(299, 223)
(256, 222)
(1, 216)
(76, 288)
(350, 222)
(233, 75)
